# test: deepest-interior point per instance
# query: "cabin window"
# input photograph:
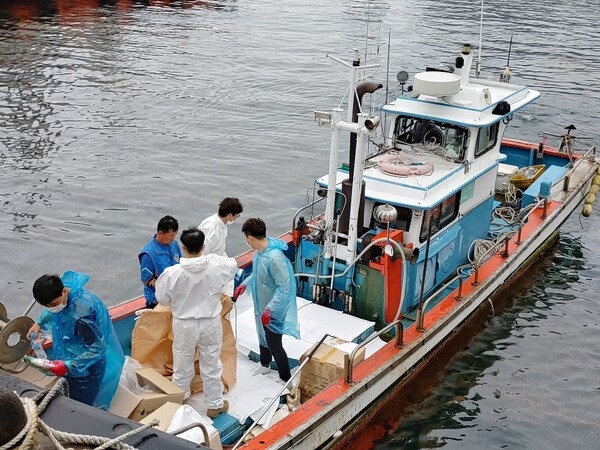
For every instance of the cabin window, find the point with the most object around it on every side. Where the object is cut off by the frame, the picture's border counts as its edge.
(486, 139)
(444, 139)
(440, 217)
(402, 221)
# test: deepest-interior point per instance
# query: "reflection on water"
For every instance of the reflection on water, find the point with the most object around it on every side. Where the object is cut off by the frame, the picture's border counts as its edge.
(18, 13)
(115, 113)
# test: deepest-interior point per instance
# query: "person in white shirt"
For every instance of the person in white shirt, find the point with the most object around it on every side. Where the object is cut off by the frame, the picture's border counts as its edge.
(215, 227)
(192, 290)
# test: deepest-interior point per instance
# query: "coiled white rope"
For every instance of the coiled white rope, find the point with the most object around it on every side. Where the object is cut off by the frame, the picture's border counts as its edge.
(29, 433)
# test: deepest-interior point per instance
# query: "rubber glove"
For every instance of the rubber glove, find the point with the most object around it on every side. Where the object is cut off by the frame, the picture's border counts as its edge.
(238, 291)
(266, 317)
(58, 368)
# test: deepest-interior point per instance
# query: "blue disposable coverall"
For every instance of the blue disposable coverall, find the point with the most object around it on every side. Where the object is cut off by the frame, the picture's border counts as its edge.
(154, 259)
(84, 338)
(273, 286)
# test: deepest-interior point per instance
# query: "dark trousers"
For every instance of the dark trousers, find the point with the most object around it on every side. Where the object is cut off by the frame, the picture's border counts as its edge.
(275, 351)
(85, 389)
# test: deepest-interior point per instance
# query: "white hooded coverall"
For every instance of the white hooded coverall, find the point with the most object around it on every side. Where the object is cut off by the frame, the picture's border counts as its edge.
(215, 232)
(192, 289)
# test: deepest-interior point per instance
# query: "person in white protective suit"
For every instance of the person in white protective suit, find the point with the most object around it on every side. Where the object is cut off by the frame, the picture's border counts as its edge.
(215, 227)
(192, 289)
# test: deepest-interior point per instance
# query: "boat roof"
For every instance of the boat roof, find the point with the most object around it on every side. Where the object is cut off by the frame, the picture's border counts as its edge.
(416, 191)
(471, 106)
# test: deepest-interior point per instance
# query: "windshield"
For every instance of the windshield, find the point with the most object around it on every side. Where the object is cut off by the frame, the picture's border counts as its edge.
(444, 139)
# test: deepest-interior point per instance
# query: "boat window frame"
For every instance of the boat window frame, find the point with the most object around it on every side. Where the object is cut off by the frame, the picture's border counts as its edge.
(401, 215)
(406, 126)
(444, 213)
(490, 141)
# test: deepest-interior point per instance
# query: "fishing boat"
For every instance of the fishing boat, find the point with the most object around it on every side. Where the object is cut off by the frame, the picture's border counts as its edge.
(399, 248)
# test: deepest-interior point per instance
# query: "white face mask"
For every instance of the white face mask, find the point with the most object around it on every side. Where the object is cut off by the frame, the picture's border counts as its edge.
(57, 308)
(229, 222)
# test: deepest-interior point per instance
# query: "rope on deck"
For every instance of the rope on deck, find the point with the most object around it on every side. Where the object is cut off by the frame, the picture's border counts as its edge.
(28, 437)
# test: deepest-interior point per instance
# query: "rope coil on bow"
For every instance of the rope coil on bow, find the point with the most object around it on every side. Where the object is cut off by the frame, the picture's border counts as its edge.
(28, 437)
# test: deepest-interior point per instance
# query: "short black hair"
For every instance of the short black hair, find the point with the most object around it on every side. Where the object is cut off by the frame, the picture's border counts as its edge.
(230, 205)
(255, 227)
(167, 224)
(47, 288)
(192, 239)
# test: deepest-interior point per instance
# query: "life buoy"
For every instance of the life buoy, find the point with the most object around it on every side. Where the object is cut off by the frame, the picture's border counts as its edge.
(392, 165)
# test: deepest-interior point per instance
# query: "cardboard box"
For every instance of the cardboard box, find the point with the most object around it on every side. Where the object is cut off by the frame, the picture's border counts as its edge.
(325, 366)
(164, 414)
(137, 406)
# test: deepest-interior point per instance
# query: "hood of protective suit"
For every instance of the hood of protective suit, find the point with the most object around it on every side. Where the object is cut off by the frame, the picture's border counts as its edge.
(74, 280)
(275, 244)
(195, 265)
(82, 349)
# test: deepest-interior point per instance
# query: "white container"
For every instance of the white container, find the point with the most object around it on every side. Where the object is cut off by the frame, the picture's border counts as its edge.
(505, 172)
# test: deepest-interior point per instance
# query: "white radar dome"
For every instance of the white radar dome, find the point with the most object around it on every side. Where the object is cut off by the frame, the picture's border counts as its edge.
(436, 84)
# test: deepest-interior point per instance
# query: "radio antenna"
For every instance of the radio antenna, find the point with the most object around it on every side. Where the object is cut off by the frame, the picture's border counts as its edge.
(505, 75)
(478, 63)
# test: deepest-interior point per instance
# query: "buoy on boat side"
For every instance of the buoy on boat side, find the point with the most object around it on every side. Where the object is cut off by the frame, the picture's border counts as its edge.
(590, 197)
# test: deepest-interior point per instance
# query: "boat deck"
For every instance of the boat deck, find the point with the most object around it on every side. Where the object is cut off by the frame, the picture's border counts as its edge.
(253, 393)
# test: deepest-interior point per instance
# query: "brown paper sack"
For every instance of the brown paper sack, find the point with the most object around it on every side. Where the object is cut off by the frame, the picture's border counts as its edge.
(152, 344)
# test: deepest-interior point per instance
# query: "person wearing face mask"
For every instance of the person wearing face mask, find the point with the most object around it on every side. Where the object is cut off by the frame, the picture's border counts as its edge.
(85, 346)
(161, 252)
(215, 227)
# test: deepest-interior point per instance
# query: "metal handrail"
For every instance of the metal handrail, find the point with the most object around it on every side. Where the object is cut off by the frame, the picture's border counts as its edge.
(578, 161)
(281, 391)
(420, 312)
(526, 216)
(189, 427)
(496, 248)
(349, 359)
(305, 207)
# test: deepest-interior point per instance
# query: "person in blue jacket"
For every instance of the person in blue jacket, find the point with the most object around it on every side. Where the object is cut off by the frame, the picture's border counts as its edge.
(273, 289)
(85, 346)
(161, 252)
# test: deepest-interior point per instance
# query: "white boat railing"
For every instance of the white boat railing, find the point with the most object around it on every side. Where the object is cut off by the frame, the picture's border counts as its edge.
(494, 248)
(312, 215)
(281, 391)
(349, 359)
(421, 311)
(190, 426)
(587, 155)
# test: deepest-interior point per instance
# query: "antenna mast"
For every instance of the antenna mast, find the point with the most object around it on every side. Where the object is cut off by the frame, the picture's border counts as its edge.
(478, 63)
(505, 76)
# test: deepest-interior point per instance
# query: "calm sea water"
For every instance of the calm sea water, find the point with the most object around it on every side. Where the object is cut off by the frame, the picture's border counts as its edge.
(115, 113)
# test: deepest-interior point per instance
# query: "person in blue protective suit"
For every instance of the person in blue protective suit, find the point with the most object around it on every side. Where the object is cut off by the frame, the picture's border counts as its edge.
(161, 252)
(273, 289)
(86, 349)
